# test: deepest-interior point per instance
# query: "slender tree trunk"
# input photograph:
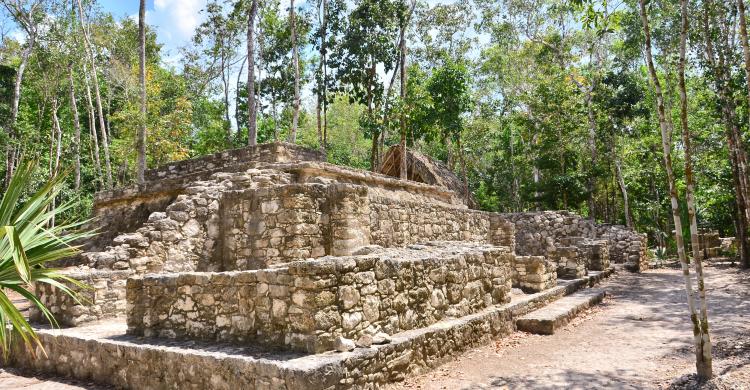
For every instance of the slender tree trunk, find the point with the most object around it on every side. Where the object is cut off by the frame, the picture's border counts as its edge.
(402, 120)
(92, 128)
(745, 45)
(592, 150)
(463, 169)
(321, 70)
(141, 140)
(703, 347)
(624, 191)
(225, 86)
(11, 153)
(370, 117)
(275, 113)
(97, 94)
(259, 66)
(666, 137)
(58, 135)
(76, 128)
(56, 145)
(237, 113)
(295, 64)
(325, 91)
(374, 153)
(252, 131)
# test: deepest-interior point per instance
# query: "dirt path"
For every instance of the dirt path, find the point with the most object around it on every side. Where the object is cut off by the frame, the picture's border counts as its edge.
(638, 339)
(12, 380)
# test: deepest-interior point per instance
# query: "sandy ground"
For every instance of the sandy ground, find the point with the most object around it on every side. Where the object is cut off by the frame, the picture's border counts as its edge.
(639, 338)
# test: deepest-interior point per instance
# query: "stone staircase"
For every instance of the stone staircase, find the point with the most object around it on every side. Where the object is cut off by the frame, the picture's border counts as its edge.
(550, 318)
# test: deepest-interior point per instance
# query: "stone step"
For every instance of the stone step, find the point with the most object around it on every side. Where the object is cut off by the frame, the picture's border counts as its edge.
(559, 313)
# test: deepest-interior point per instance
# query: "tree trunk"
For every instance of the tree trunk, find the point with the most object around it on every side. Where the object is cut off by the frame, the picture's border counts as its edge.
(666, 137)
(322, 69)
(745, 46)
(703, 347)
(141, 140)
(76, 129)
(92, 128)
(97, 94)
(56, 145)
(57, 131)
(275, 113)
(370, 117)
(225, 87)
(624, 191)
(10, 150)
(295, 62)
(463, 169)
(402, 120)
(592, 150)
(237, 92)
(252, 131)
(259, 66)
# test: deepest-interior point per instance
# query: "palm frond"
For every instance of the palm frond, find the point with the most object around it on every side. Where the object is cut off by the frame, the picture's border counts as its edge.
(27, 243)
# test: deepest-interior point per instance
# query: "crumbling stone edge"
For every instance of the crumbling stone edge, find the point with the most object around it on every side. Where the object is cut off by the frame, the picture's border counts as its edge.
(136, 365)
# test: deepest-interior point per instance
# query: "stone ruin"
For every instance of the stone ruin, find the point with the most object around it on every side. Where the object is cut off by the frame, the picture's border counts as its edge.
(713, 245)
(267, 267)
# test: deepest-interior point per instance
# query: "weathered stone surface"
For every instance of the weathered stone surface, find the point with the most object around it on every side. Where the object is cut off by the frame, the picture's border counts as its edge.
(343, 344)
(548, 319)
(541, 233)
(306, 304)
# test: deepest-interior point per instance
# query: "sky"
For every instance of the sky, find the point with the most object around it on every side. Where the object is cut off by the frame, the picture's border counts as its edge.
(174, 20)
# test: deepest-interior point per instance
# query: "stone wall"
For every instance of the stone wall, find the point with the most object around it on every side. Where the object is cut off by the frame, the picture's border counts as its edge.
(534, 273)
(273, 225)
(309, 305)
(104, 298)
(626, 246)
(542, 233)
(235, 159)
(300, 221)
(109, 219)
(537, 233)
(293, 222)
(710, 243)
(395, 223)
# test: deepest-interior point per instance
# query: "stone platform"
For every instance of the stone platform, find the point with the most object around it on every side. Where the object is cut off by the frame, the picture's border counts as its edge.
(308, 305)
(105, 353)
(267, 267)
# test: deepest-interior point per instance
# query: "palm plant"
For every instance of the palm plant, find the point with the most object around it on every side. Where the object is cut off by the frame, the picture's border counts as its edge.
(27, 243)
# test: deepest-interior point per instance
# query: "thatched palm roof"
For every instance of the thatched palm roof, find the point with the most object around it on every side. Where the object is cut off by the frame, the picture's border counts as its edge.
(424, 169)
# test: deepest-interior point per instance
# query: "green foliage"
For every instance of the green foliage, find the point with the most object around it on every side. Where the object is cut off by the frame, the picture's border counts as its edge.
(27, 244)
(450, 93)
(520, 85)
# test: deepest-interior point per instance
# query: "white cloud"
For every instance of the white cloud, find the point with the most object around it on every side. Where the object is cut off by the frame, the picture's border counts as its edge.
(175, 20)
(182, 16)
